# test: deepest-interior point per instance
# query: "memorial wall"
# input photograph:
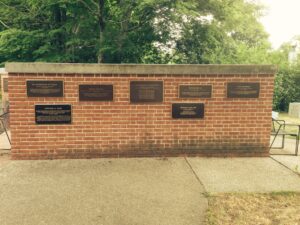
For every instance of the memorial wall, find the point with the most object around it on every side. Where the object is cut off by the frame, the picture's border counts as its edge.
(103, 110)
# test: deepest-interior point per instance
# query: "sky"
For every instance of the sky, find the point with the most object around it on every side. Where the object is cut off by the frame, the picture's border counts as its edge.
(281, 20)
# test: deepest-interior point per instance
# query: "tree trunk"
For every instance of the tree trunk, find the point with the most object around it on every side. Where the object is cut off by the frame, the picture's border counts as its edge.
(101, 23)
(59, 16)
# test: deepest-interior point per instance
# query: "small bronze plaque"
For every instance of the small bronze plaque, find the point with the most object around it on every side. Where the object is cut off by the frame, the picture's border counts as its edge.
(53, 114)
(146, 91)
(45, 88)
(188, 110)
(5, 84)
(195, 91)
(243, 90)
(103, 92)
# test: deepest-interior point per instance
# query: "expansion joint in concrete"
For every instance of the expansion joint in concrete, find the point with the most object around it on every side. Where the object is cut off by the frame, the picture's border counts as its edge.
(285, 166)
(195, 174)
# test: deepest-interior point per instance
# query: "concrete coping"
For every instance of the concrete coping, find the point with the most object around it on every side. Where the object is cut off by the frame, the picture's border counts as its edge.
(178, 69)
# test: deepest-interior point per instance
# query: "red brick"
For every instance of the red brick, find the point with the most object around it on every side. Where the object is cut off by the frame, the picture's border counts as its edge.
(231, 127)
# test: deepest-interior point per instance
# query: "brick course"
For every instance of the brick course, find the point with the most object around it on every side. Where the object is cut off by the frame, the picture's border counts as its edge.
(231, 127)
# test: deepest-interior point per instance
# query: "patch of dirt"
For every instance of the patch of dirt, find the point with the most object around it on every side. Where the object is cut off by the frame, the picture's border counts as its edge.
(254, 209)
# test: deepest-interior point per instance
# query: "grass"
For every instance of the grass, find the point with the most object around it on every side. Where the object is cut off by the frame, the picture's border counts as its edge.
(289, 120)
(254, 209)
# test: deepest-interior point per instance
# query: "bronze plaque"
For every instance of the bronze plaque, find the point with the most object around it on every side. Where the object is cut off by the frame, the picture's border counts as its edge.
(45, 88)
(243, 90)
(103, 92)
(188, 110)
(146, 91)
(5, 84)
(195, 91)
(53, 114)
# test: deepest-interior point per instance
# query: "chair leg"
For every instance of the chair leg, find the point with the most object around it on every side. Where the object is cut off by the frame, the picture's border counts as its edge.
(297, 142)
(296, 150)
(283, 139)
(275, 136)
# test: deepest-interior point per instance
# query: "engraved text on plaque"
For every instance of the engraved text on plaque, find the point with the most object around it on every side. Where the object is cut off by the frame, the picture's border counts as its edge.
(243, 90)
(188, 110)
(103, 92)
(146, 91)
(53, 114)
(45, 88)
(195, 91)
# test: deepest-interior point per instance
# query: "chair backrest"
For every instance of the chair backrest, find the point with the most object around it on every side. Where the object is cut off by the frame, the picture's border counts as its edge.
(280, 125)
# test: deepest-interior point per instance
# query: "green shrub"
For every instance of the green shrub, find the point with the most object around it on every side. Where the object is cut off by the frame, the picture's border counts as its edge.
(287, 88)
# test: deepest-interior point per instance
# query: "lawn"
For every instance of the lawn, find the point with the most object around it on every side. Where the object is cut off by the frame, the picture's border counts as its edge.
(289, 120)
(254, 209)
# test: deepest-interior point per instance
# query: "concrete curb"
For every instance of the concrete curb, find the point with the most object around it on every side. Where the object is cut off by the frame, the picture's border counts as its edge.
(192, 69)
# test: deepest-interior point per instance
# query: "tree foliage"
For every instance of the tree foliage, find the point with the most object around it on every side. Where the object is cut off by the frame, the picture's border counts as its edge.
(144, 31)
(287, 79)
(287, 88)
(126, 31)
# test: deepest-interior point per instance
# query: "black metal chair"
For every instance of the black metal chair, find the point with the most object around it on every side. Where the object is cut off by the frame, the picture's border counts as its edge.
(279, 129)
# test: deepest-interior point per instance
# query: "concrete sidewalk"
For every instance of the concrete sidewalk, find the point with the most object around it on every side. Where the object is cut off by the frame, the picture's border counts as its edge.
(291, 162)
(144, 191)
(244, 175)
(101, 191)
(129, 191)
(286, 156)
(4, 149)
(4, 143)
(289, 146)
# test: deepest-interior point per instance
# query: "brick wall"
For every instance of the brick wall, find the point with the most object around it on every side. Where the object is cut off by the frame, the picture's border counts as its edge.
(230, 127)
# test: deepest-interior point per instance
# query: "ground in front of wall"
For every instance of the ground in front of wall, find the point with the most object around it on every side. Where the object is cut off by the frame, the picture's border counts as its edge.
(4, 157)
(253, 209)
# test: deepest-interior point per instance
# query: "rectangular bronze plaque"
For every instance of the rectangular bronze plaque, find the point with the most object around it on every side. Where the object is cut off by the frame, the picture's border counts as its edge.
(195, 91)
(45, 88)
(5, 84)
(243, 90)
(53, 114)
(103, 92)
(187, 110)
(146, 91)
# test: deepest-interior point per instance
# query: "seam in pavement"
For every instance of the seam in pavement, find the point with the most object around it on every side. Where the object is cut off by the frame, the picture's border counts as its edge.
(196, 176)
(285, 166)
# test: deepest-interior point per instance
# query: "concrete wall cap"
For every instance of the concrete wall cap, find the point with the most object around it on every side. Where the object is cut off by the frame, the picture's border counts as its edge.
(178, 69)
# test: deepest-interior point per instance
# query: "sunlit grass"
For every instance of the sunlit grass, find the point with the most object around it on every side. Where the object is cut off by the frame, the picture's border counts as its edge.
(289, 120)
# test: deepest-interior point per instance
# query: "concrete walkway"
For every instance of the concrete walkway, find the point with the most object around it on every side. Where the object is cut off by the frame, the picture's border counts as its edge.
(101, 191)
(244, 175)
(4, 149)
(144, 191)
(4, 143)
(289, 147)
(291, 162)
(129, 191)
(286, 156)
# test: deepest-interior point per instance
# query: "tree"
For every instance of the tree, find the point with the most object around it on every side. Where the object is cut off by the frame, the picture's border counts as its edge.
(126, 31)
(225, 31)
(287, 79)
